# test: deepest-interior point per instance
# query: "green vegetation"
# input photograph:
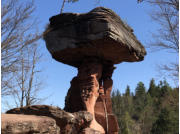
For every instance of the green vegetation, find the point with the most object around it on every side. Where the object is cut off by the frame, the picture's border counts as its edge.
(151, 111)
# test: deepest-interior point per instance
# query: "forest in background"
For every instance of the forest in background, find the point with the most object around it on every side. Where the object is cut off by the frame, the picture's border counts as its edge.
(154, 110)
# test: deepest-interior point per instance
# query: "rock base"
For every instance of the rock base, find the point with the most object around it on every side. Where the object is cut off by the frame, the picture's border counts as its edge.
(91, 91)
(43, 119)
(28, 124)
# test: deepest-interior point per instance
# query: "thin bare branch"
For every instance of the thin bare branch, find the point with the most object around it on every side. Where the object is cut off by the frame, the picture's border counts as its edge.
(166, 14)
(19, 52)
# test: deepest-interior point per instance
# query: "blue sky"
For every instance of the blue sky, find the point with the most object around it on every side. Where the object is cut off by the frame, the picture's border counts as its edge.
(57, 76)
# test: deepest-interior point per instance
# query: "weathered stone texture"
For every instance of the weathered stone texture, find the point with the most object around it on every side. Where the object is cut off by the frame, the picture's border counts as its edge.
(103, 107)
(69, 123)
(93, 42)
(87, 86)
(93, 93)
(90, 131)
(28, 124)
(100, 33)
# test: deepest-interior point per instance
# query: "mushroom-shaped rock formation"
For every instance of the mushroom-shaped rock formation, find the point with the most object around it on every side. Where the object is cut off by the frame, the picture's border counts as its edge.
(100, 33)
(93, 42)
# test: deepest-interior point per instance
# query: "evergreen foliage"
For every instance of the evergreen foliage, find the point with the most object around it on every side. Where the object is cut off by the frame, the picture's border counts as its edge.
(155, 111)
(127, 91)
(152, 88)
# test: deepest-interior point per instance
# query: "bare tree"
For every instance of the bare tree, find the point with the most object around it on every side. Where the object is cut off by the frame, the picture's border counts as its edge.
(166, 14)
(63, 4)
(20, 53)
(17, 31)
(25, 92)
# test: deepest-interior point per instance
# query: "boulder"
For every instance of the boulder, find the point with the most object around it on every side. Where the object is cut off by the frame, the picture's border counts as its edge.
(70, 37)
(28, 124)
(69, 123)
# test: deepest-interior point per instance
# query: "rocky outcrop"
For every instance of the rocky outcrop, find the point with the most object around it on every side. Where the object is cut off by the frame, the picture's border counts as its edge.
(87, 86)
(28, 124)
(69, 123)
(99, 33)
(103, 107)
(90, 91)
(93, 42)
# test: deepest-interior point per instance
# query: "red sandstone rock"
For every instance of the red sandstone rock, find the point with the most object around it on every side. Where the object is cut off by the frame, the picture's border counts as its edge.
(92, 77)
(89, 74)
(28, 124)
(103, 107)
(69, 123)
(92, 42)
(90, 131)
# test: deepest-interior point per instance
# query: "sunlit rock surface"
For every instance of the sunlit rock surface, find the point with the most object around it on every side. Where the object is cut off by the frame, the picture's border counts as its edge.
(100, 33)
(45, 119)
(28, 124)
(93, 42)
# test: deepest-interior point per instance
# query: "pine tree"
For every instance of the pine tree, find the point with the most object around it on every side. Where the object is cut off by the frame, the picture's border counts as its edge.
(165, 88)
(171, 102)
(126, 124)
(140, 90)
(147, 116)
(127, 93)
(152, 88)
(127, 101)
(164, 124)
(116, 102)
(152, 112)
(139, 100)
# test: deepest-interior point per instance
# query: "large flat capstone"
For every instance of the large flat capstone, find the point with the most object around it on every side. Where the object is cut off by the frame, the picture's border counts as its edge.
(70, 37)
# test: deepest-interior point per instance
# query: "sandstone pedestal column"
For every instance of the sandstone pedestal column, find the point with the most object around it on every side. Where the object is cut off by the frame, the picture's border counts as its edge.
(91, 91)
(92, 42)
(89, 74)
(103, 107)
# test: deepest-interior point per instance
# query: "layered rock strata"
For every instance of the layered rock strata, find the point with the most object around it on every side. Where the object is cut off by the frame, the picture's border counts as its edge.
(92, 42)
(92, 89)
(87, 85)
(46, 119)
(99, 33)
(103, 107)
(28, 124)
